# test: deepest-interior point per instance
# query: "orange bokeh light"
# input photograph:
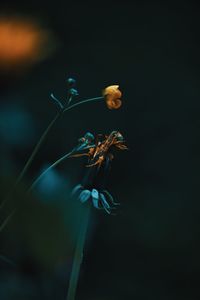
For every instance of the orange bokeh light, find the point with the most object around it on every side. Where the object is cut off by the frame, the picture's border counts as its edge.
(22, 42)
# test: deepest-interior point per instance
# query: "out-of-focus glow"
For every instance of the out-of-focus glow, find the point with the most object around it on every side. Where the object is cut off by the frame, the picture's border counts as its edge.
(16, 126)
(22, 42)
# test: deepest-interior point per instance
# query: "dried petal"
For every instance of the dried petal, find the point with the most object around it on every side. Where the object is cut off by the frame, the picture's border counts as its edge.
(112, 90)
(84, 196)
(113, 103)
(95, 198)
(105, 204)
(76, 189)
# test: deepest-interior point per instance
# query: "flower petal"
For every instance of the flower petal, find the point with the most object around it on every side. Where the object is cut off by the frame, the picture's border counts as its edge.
(109, 90)
(110, 197)
(95, 194)
(84, 195)
(105, 204)
(76, 189)
(95, 198)
(113, 104)
(103, 198)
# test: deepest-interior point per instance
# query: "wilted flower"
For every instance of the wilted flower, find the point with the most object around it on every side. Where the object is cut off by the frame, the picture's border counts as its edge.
(112, 96)
(84, 143)
(100, 200)
(71, 82)
(99, 159)
(73, 92)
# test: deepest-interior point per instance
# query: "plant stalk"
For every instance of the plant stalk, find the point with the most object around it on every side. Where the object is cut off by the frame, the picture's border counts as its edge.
(40, 142)
(30, 159)
(48, 169)
(78, 255)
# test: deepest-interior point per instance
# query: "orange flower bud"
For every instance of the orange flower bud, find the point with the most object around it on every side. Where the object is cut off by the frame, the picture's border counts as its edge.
(112, 96)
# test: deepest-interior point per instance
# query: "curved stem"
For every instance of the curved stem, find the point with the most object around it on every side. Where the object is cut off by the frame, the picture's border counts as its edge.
(48, 169)
(42, 138)
(35, 151)
(40, 142)
(37, 147)
(78, 255)
(82, 102)
(33, 185)
(30, 159)
(58, 161)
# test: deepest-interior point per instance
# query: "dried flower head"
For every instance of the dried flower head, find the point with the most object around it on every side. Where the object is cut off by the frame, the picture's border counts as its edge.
(99, 151)
(112, 96)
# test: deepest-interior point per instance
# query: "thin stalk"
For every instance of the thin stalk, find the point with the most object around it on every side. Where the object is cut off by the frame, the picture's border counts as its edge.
(35, 151)
(48, 169)
(57, 162)
(30, 159)
(78, 255)
(82, 102)
(40, 142)
(37, 147)
(34, 184)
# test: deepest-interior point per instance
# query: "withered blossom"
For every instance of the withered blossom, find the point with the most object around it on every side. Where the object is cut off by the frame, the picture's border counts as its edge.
(100, 156)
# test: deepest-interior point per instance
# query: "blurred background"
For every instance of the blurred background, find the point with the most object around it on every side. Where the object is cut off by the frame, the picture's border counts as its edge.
(150, 249)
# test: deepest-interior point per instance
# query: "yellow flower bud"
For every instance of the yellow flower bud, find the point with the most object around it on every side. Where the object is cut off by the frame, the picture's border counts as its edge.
(112, 96)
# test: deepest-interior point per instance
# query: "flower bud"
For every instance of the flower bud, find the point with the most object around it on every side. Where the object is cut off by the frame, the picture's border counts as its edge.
(71, 82)
(112, 96)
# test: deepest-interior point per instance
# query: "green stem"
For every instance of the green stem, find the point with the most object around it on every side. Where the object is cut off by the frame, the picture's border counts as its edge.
(34, 184)
(82, 102)
(58, 161)
(30, 159)
(48, 169)
(78, 255)
(40, 142)
(35, 150)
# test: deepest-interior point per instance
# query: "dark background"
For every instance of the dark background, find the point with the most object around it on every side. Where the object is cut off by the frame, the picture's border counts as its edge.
(150, 249)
